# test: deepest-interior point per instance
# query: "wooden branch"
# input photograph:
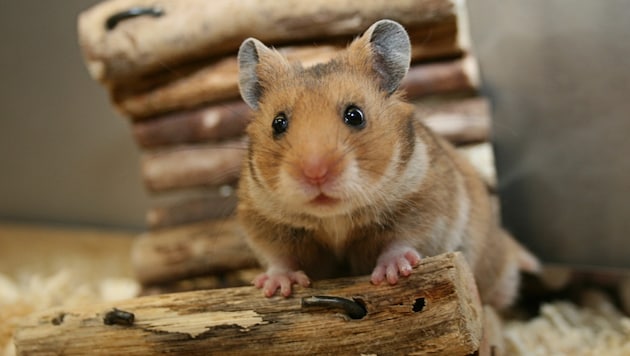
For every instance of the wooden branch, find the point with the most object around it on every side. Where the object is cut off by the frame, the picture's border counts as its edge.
(210, 123)
(460, 121)
(192, 250)
(481, 157)
(434, 311)
(219, 82)
(194, 29)
(456, 76)
(189, 209)
(215, 165)
(191, 166)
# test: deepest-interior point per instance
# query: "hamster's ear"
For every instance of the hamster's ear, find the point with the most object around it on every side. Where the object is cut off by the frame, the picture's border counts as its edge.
(257, 65)
(248, 82)
(390, 51)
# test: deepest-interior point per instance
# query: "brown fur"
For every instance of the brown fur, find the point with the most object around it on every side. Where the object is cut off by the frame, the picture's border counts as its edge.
(424, 214)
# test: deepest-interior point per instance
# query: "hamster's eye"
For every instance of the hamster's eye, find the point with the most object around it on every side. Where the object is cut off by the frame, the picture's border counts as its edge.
(280, 124)
(353, 116)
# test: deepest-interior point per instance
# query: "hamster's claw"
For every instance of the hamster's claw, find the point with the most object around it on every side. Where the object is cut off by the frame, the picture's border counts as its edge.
(396, 262)
(270, 282)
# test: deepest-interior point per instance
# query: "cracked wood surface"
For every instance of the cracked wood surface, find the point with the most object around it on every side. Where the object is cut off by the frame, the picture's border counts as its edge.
(434, 311)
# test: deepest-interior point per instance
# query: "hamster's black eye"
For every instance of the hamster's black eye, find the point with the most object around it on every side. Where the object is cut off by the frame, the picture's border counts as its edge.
(280, 124)
(353, 116)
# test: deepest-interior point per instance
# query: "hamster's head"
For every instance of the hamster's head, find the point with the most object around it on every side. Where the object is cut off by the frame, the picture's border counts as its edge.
(328, 139)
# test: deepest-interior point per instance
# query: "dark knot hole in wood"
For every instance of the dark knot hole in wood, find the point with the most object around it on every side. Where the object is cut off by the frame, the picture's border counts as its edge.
(419, 305)
(354, 308)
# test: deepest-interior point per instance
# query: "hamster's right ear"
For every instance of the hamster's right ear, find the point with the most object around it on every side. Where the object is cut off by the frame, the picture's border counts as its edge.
(257, 65)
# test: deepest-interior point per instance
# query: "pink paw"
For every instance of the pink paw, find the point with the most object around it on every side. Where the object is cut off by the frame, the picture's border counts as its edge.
(273, 280)
(396, 261)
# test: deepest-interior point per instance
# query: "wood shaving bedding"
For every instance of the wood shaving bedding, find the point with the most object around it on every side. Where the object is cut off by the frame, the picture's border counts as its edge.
(31, 293)
(563, 328)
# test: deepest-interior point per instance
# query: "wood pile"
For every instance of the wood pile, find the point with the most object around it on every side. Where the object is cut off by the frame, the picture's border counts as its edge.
(170, 67)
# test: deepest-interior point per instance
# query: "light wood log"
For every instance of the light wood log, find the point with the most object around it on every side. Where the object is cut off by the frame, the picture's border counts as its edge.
(194, 29)
(192, 250)
(461, 120)
(191, 166)
(211, 123)
(436, 310)
(481, 157)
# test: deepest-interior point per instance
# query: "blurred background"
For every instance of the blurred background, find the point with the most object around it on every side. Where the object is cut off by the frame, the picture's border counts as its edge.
(65, 156)
(557, 72)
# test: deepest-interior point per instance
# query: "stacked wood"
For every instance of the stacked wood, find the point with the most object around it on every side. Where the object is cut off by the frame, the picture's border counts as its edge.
(171, 69)
(436, 310)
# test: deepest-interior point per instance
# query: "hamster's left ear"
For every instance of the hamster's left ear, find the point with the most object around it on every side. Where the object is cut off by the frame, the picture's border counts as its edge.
(390, 52)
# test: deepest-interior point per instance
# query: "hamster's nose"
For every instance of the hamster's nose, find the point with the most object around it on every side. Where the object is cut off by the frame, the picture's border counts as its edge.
(315, 170)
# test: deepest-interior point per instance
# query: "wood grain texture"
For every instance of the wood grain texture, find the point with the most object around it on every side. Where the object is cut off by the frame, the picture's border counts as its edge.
(240, 321)
(194, 29)
(191, 250)
(193, 165)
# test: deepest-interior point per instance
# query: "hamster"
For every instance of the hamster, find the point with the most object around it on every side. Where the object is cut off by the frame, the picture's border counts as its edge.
(341, 180)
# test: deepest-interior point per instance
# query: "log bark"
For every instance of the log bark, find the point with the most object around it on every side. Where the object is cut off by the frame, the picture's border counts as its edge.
(191, 209)
(211, 123)
(215, 165)
(460, 120)
(219, 82)
(193, 166)
(188, 251)
(195, 29)
(434, 311)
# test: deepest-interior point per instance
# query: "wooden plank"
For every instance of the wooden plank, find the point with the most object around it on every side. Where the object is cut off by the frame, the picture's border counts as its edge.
(434, 311)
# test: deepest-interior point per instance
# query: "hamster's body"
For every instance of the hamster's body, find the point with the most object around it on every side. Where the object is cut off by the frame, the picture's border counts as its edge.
(341, 179)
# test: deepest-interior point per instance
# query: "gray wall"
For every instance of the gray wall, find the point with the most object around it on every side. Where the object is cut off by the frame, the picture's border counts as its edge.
(65, 155)
(558, 73)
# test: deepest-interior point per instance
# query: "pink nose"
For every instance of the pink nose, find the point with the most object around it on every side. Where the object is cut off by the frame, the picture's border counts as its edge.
(315, 171)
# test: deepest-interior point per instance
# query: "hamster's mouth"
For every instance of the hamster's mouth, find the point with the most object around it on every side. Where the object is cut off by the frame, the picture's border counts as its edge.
(324, 200)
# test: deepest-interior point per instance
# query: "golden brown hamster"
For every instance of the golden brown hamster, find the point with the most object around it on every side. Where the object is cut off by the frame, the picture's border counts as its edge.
(340, 179)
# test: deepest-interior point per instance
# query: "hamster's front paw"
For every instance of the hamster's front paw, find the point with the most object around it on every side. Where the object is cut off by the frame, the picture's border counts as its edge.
(397, 260)
(275, 279)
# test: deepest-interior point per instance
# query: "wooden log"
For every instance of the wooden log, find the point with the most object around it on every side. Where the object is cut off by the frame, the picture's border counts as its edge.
(215, 165)
(481, 157)
(219, 82)
(194, 29)
(456, 76)
(229, 279)
(186, 208)
(192, 250)
(210, 123)
(192, 166)
(436, 310)
(460, 120)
